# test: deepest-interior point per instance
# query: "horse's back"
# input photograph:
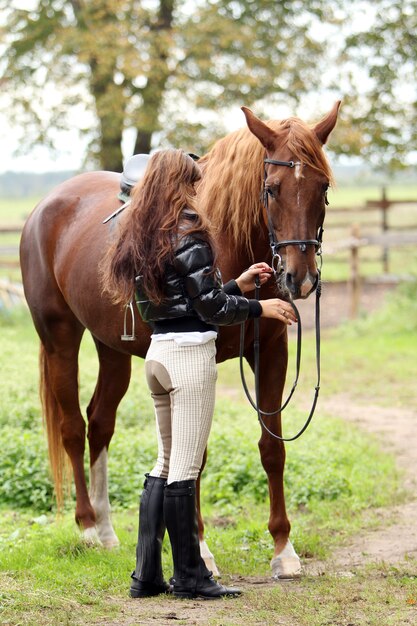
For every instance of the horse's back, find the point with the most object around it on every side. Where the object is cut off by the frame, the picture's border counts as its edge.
(72, 199)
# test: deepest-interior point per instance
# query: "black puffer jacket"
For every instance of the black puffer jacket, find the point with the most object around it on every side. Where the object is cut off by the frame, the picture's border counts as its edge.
(195, 297)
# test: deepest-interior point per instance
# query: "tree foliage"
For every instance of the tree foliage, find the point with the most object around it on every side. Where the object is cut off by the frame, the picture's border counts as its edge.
(150, 65)
(168, 71)
(384, 104)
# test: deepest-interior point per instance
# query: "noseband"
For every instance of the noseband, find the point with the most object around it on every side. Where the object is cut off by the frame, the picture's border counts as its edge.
(278, 269)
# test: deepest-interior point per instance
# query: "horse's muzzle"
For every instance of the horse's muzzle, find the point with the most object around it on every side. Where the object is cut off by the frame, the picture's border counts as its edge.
(301, 289)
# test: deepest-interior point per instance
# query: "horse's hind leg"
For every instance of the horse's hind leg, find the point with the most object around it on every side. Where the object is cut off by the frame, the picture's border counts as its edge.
(60, 341)
(113, 381)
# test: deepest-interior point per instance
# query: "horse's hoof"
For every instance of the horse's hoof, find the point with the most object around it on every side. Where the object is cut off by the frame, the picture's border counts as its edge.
(110, 542)
(90, 536)
(286, 564)
(285, 568)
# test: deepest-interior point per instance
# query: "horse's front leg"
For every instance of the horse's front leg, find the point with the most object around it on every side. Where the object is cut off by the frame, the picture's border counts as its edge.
(205, 552)
(273, 367)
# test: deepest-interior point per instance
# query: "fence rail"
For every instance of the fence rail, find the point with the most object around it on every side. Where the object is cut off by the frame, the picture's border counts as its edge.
(11, 294)
(346, 235)
(389, 233)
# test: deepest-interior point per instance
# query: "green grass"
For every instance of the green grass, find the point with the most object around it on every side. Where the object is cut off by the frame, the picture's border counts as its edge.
(357, 195)
(233, 472)
(335, 477)
(374, 356)
(16, 210)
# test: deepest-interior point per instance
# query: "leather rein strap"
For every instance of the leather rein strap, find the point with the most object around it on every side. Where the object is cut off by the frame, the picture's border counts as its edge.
(278, 269)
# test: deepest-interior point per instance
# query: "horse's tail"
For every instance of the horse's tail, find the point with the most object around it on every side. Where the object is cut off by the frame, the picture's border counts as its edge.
(59, 462)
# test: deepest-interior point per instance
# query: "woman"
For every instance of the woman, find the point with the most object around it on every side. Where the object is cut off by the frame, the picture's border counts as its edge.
(166, 244)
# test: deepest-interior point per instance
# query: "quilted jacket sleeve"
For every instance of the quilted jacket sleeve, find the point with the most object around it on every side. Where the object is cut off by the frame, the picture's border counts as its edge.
(194, 262)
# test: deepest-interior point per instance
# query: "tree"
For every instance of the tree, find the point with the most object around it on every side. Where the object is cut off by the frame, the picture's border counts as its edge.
(167, 71)
(150, 65)
(381, 97)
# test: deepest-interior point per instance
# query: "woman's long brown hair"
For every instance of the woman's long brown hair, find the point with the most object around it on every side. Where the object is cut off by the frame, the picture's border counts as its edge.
(147, 235)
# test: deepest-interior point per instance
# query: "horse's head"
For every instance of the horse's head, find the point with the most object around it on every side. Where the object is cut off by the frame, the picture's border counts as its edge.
(297, 176)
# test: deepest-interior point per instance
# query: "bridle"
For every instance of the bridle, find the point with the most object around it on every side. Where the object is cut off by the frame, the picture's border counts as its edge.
(278, 269)
(273, 241)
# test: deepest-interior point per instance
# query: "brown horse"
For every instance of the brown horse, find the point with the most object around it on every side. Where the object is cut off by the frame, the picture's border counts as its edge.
(62, 244)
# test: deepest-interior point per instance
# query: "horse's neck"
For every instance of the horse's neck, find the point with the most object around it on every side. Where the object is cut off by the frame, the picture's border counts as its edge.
(234, 259)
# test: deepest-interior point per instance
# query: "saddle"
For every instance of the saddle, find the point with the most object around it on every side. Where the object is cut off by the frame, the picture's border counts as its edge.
(133, 172)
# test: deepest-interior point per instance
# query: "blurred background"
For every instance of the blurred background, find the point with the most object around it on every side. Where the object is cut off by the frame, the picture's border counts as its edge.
(87, 83)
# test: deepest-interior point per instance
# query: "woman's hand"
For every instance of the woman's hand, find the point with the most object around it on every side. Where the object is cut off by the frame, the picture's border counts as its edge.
(246, 281)
(278, 309)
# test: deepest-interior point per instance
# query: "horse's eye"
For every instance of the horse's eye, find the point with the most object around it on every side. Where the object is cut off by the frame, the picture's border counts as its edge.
(273, 189)
(325, 187)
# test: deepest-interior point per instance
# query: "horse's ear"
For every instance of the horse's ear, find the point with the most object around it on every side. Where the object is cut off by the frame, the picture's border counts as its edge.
(326, 125)
(265, 134)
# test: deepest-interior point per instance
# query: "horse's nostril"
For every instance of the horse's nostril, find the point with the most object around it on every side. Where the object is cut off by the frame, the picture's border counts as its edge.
(289, 281)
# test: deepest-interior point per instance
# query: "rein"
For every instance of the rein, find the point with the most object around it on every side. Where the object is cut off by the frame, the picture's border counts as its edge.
(278, 269)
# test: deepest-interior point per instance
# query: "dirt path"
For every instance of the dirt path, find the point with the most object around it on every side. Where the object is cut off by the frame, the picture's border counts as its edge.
(395, 540)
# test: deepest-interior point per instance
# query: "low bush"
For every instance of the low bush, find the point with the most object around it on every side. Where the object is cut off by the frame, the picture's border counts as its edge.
(323, 465)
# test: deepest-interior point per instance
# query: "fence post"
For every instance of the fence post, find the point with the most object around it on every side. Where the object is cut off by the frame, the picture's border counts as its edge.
(384, 207)
(355, 280)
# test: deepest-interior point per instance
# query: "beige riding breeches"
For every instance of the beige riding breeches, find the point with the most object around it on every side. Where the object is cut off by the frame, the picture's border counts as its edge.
(182, 380)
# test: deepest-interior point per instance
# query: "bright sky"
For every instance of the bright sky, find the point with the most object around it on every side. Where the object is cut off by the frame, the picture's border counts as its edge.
(69, 153)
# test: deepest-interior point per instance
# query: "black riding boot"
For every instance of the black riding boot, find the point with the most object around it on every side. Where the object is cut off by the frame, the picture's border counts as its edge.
(191, 578)
(147, 577)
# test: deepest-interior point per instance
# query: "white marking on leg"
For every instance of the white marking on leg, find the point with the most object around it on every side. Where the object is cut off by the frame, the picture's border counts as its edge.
(286, 564)
(90, 536)
(100, 501)
(208, 558)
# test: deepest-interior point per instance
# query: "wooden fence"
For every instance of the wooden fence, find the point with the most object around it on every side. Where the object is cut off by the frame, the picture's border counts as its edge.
(11, 291)
(9, 253)
(350, 230)
(384, 230)
(11, 294)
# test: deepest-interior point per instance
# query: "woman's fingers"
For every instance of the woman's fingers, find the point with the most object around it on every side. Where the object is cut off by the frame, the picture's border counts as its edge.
(286, 311)
(262, 271)
(278, 309)
(264, 277)
(261, 267)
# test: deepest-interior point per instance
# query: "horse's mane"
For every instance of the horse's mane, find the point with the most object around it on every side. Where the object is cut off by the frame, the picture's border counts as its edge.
(233, 173)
